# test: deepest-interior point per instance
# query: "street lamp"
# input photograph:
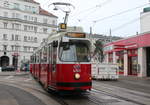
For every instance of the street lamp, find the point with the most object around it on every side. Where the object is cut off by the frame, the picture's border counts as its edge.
(59, 5)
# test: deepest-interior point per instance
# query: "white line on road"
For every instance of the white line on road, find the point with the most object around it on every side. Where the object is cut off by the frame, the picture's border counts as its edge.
(9, 77)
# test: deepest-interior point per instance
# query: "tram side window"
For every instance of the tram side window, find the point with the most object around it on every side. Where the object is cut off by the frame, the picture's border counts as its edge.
(49, 53)
(31, 59)
(40, 56)
(35, 59)
(45, 54)
(54, 54)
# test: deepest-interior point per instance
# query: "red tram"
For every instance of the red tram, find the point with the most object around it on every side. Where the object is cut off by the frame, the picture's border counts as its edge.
(63, 62)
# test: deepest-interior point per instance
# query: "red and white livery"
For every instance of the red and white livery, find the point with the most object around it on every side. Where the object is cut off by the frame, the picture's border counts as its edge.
(62, 62)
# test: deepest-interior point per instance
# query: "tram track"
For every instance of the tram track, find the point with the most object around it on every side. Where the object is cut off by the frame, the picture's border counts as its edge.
(117, 96)
(58, 98)
(89, 97)
(24, 87)
(67, 101)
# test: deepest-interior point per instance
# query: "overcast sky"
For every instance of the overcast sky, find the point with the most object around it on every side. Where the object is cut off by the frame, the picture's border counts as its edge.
(93, 13)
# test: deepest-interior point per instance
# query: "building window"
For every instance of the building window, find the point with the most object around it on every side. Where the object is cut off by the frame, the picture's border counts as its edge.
(34, 48)
(6, 4)
(45, 21)
(16, 6)
(25, 48)
(17, 48)
(4, 36)
(15, 15)
(29, 38)
(5, 14)
(16, 37)
(29, 49)
(33, 10)
(25, 38)
(27, 8)
(35, 39)
(35, 29)
(53, 22)
(35, 19)
(4, 47)
(45, 30)
(12, 47)
(25, 17)
(16, 26)
(25, 27)
(5, 25)
(12, 37)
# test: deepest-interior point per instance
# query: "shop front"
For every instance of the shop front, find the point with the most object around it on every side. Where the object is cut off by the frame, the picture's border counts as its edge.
(131, 54)
(120, 61)
(132, 62)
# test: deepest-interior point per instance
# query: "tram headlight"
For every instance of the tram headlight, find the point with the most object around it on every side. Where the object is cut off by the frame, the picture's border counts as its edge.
(77, 76)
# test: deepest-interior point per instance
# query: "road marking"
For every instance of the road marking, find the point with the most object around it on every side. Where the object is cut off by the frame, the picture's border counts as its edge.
(9, 77)
(28, 80)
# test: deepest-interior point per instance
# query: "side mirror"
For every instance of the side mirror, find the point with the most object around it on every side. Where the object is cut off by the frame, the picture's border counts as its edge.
(55, 43)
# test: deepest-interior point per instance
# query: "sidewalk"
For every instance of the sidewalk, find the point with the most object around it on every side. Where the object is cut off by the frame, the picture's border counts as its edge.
(14, 73)
(133, 78)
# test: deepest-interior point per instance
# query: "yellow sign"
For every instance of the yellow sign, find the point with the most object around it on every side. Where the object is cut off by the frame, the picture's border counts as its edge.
(76, 35)
(63, 26)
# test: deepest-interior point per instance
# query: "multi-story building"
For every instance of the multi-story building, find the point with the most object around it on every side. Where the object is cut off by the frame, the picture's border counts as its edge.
(23, 26)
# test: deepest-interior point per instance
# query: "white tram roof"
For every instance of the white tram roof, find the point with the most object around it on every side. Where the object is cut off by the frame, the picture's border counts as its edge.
(57, 35)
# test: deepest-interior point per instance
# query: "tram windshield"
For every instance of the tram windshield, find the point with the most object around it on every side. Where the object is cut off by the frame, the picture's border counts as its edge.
(74, 52)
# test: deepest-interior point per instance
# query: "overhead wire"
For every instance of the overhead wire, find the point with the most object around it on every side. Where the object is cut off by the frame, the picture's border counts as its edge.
(90, 10)
(129, 10)
(130, 22)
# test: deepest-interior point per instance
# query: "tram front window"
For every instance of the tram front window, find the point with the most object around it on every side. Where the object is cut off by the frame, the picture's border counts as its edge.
(77, 52)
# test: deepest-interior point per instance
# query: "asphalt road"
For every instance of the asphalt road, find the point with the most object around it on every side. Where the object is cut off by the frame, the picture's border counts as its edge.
(132, 83)
(22, 89)
(10, 95)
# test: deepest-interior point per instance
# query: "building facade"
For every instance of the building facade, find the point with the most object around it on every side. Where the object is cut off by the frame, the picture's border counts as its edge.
(23, 26)
(132, 54)
(144, 20)
(102, 38)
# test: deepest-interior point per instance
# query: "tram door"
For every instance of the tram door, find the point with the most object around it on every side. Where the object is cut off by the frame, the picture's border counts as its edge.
(52, 65)
(148, 61)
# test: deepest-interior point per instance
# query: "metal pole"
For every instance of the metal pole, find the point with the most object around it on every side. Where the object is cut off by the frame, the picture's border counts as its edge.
(66, 17)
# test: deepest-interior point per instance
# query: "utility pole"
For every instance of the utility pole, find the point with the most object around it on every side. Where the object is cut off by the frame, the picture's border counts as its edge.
(110, 35)
(91, 31)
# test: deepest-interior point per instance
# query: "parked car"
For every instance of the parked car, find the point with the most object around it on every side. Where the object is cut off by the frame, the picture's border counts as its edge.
(8, 68)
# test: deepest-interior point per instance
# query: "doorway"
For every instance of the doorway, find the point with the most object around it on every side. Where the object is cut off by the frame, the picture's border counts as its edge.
(4, 61)
(15, 61)
(132, 65)
(148, 61)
